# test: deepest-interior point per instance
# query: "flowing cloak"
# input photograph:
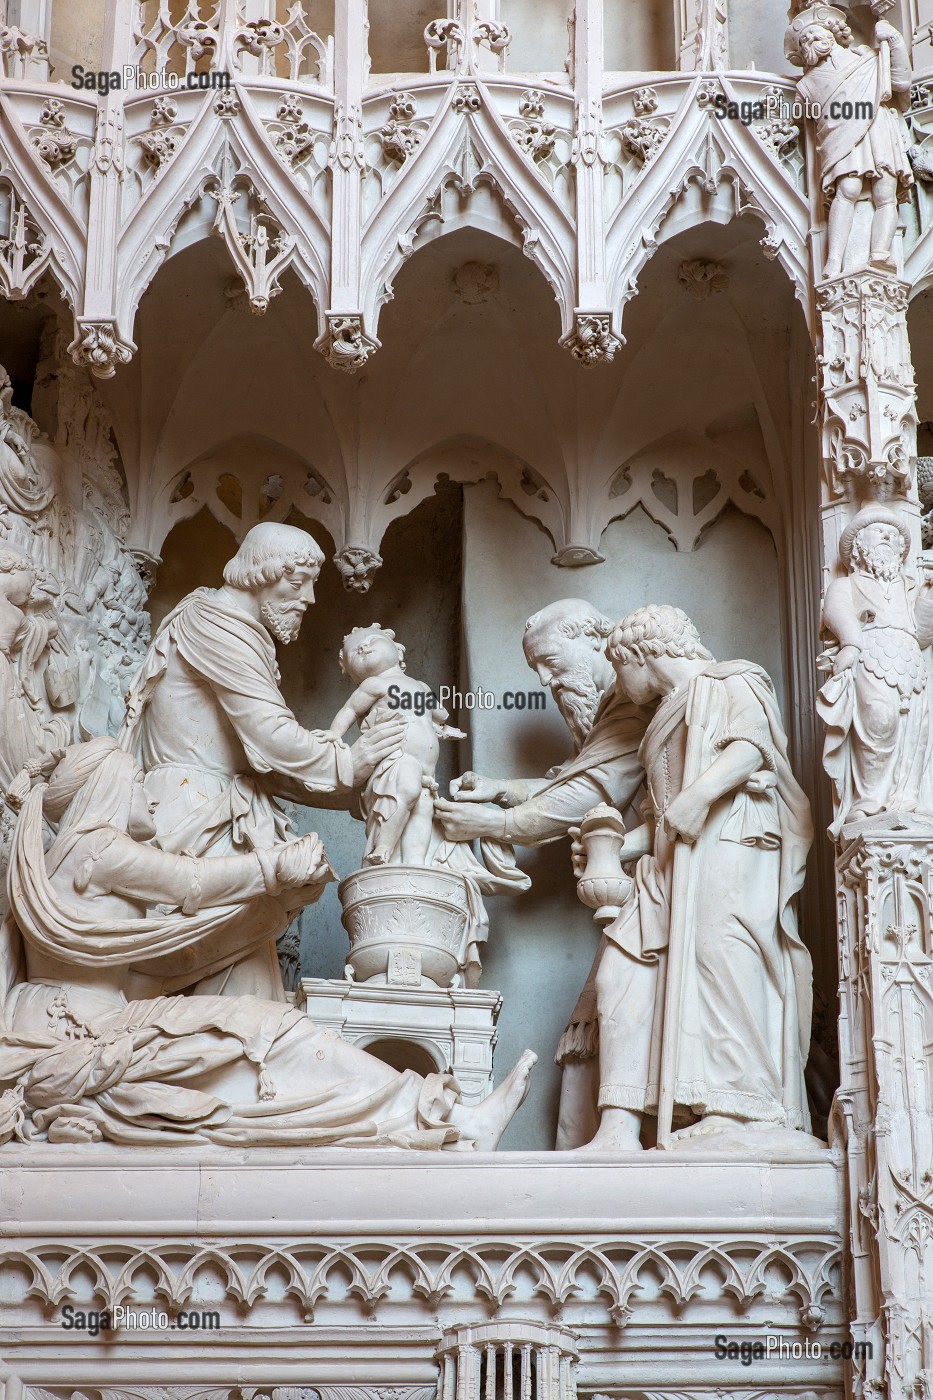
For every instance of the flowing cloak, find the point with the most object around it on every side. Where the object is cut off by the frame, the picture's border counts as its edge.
(174, 947)
(743, 706)
(235, 656)
(183, 1069)
(862, 145)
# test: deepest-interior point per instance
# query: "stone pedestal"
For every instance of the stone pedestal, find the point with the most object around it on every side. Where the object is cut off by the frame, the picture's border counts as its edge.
(455, 1028)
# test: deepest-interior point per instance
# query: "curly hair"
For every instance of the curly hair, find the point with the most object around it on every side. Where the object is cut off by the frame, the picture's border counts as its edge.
(269, 552)
(656, 630)
(373, 630)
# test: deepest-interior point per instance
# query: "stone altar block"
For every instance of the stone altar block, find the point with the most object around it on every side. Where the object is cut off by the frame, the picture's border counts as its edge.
(455, 1028)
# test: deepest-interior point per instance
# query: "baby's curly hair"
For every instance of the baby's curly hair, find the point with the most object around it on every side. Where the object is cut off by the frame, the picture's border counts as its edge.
(373, 630)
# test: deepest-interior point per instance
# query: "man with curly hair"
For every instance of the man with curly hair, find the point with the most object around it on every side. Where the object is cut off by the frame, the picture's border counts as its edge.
(719, 782)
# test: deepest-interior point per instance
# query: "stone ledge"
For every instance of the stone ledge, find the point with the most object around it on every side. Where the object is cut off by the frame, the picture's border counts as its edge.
(51, 1192)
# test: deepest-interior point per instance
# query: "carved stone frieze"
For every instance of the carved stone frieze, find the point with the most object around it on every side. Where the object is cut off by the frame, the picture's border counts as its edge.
(427, 1270)
(866, 381)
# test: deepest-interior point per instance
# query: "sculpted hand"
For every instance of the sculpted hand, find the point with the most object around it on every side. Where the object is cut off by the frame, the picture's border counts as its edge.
(473, 787)
(846, 659)
(302, 862)
(382, 739)
(577, 851)
(685, 816)
(461, 823)
(887, 32)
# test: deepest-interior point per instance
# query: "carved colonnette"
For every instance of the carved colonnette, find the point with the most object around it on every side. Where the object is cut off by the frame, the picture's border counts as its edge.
(877, 750)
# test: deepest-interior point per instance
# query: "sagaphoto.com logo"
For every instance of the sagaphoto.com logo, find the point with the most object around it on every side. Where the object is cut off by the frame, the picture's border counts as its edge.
(93, 1322)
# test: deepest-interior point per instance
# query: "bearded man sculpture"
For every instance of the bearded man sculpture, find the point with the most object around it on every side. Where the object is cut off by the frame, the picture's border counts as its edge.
(209, 725)
(861, 139)
(730, 1047)
(82, 1063)
(565, 645)
(875, 704)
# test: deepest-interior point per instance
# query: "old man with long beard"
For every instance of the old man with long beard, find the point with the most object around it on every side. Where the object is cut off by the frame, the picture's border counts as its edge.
(219, 746)
(565, 645)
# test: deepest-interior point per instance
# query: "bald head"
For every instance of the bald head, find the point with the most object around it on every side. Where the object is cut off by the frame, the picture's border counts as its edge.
(565, 644)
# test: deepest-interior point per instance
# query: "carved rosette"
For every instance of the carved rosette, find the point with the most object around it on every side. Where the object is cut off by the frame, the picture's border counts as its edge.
(345, 344)
(592, 340)
(99, 347)
(885, 1106)
(866, 381)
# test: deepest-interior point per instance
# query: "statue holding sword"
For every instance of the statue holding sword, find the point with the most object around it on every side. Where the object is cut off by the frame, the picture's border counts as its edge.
(704, 987)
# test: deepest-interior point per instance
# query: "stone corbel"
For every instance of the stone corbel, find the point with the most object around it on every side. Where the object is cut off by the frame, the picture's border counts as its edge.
(99, 347)
(866, 382)
(344, 344)
(357, 565)
(592, 340)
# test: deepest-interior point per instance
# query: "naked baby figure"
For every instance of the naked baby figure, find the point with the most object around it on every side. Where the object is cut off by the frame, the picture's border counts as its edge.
(398, 801)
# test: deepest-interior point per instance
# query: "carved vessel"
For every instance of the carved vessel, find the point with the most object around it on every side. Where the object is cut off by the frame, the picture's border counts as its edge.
(406, 925)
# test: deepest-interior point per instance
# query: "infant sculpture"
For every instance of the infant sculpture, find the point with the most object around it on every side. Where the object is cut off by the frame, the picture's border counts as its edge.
(414, 913)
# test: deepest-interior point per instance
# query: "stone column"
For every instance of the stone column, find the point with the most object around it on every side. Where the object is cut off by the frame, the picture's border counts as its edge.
(875, 703)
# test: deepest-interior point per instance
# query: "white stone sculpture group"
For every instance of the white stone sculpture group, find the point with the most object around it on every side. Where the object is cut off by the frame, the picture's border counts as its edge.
(150, 875)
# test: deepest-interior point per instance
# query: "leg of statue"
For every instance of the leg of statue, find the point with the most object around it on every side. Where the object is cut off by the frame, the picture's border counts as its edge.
(387, 830)
(625, 1001)
(884, 223)
(839, 223)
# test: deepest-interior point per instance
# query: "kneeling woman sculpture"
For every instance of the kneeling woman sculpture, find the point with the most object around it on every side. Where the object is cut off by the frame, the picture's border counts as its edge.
(80, 1062)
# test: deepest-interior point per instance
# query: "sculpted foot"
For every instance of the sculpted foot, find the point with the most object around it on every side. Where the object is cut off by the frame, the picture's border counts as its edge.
(708, 1126)
(619, 1131)
(486, 1122)
(377, 857)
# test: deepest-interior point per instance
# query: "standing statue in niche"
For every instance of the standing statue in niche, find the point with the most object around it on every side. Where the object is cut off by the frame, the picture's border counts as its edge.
(704, 987)
(565, 645)
(861, 138)
(397, 801)
(211, 729)
(79, 1062)
(875, 703)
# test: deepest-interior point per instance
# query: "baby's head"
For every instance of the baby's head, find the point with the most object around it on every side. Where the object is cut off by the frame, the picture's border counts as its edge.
(368, 651)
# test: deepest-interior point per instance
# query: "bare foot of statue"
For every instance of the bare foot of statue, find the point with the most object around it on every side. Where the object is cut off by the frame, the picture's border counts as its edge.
(707, 1127)
(487, 1121)
(379, 856)
(619, 1131)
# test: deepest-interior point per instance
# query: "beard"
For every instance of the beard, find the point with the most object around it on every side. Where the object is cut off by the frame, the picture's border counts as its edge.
(886, 567)
(577, 698)
(284, 622)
